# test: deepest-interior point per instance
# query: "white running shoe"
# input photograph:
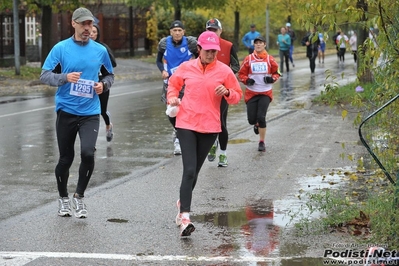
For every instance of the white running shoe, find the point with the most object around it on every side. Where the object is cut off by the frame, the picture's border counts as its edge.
(80, 207)
(177, 150)
(64, 207)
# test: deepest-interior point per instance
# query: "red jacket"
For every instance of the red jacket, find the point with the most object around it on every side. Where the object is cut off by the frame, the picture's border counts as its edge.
(225, 51)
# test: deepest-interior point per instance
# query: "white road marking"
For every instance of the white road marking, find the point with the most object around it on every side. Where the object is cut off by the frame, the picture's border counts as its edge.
(16, 258)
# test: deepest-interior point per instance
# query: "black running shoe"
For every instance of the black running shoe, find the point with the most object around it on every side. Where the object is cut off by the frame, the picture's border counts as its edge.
(256, 129)
(261, 146)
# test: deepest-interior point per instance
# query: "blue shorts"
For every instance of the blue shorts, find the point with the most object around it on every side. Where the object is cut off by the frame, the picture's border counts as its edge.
(322, 47)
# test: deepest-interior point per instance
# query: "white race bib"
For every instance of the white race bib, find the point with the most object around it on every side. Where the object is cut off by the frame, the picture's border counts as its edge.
(83, 88)
(173, 70)
(259, 67)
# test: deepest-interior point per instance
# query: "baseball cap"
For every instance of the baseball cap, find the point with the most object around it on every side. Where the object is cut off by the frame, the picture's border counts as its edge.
(214, 24)
(252, 26)
(208, 40)
(82, 14)
(176, 24)
(260, 38)
(288, 24)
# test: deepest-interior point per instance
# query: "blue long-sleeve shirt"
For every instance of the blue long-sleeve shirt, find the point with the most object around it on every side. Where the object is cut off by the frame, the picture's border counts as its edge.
(69, 56)
(248, 39)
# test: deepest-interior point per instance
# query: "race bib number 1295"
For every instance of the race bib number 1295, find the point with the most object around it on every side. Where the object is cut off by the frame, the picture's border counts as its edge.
(83, 88)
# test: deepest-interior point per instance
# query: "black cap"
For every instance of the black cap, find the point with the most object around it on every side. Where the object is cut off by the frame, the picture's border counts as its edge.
(176, 24)
(252, 26)
(260, 38)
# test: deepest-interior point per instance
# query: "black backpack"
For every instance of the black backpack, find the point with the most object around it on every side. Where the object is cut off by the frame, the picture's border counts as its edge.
(335, 36)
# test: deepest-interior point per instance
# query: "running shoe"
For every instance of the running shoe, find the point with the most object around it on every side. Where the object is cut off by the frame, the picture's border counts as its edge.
(174, 135)
(256, 129)
(80, 207)
(261, 146)
(177, 150)
(110, 134)
(186, 227)
(222, 160)
(64, 207)
(212, 152)
(178, 216)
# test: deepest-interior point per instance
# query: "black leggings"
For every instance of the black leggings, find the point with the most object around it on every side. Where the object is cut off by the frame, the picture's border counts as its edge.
(224, 135)
(67, 127)
(256, 110)
(284, 57)
(312, 63)
(103, 103)
(342, 52)
(194, 147)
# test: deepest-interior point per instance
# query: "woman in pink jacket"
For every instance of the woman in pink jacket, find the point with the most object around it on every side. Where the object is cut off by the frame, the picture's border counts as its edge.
(207, 81)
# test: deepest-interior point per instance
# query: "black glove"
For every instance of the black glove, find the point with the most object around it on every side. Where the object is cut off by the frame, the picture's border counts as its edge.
(250, 82)
(268, 79)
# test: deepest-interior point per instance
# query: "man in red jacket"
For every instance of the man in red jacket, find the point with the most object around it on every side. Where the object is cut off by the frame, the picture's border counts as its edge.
(228, 56)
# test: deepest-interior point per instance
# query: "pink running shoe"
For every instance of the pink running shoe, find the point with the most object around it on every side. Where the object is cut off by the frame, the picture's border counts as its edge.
(186, 227)
(178, 216)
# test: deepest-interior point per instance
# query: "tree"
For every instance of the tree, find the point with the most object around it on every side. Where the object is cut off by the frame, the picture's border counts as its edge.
(46, 8)
(379, 53)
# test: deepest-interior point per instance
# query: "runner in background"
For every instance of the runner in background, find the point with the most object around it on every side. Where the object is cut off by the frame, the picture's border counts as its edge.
(228, 56)
(172, 51)
(291, 32)
(109, 133)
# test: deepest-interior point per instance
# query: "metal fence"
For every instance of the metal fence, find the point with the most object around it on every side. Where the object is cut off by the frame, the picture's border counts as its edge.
(378, 133)
(123, 29)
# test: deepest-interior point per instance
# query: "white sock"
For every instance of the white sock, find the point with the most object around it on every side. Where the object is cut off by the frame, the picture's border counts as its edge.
(185, 215)
(223, 152)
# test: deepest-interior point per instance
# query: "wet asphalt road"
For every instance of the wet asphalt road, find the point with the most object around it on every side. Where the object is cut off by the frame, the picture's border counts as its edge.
(134, 187)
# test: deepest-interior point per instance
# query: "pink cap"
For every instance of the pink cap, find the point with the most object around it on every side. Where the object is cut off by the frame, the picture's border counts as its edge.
(208, 40)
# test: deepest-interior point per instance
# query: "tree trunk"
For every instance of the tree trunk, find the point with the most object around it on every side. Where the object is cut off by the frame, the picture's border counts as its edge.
(46, 32)
(177, 10)
(236, 40)
(366, 75)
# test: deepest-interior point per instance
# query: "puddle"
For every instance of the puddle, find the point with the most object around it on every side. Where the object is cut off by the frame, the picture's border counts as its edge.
(238, 141)
(254, 231)
(117, 220)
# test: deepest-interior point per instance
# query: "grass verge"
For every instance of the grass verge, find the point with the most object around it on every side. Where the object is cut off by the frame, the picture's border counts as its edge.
(367, 207)
(26, 73)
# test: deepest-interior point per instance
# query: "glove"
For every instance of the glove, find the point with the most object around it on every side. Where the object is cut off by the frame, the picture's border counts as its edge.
(268, 79)
(250, 82)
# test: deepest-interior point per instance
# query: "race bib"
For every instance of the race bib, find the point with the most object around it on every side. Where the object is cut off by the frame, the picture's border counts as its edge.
(259, 67)
(173, 70)
(83, 88)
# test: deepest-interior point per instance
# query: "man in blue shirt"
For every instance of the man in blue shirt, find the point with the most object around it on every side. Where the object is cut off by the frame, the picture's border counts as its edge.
(249, 37)
(172, 51)
(73, 65)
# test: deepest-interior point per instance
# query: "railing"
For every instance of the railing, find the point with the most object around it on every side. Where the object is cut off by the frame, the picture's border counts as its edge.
(30, 30)
(8, 31)
(381, 134)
